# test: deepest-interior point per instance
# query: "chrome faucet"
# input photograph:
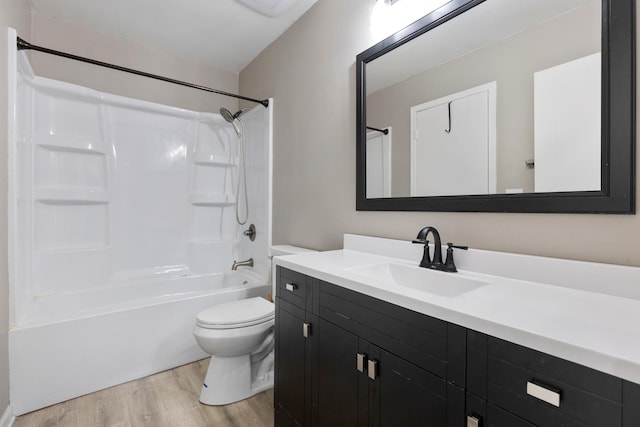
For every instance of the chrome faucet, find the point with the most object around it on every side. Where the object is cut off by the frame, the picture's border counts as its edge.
(436, 264)
(246, 263)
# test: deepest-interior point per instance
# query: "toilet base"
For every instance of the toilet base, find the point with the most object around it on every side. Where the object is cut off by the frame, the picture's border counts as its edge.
(229, 380)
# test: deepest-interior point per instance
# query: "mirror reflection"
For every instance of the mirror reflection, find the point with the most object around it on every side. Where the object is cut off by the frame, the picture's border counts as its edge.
(501, 99)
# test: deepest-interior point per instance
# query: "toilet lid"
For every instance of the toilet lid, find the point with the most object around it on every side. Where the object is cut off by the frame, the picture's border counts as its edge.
(236, 314)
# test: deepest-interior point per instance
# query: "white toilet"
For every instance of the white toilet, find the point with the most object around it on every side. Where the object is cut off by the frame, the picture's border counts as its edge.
(239, 337)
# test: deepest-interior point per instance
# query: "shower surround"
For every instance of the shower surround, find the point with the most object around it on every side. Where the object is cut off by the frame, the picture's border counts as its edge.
(123, 228)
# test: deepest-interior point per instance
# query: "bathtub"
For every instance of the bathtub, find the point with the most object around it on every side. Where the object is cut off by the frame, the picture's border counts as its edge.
(70, 344)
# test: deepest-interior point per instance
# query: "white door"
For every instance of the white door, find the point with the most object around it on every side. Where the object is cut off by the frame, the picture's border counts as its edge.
(378, 164)
(567, 126)
(453, 144)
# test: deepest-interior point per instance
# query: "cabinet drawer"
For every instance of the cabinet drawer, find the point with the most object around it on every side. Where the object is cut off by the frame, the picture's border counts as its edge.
(488, 415)
(294, 287)
(550, 391)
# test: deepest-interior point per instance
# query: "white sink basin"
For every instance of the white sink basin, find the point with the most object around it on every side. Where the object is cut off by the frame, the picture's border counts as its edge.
(422, 279)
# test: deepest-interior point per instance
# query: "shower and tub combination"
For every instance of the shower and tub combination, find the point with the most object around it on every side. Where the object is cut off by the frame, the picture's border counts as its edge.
(124, 224)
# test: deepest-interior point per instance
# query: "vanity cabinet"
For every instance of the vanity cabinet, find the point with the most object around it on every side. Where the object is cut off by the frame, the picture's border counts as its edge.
(364, 362)
(532, 388)
(361, 361)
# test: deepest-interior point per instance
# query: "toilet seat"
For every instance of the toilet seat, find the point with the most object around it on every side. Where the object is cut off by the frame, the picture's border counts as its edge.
(236, 314)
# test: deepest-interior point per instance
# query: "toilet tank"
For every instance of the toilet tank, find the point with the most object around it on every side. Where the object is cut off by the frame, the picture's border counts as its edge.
(280, 250)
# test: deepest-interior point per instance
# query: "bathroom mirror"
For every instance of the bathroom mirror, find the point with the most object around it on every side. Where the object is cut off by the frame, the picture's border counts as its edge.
(501, 106)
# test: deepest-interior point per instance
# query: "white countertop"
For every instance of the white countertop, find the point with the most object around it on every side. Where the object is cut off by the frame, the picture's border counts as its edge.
(595, 329)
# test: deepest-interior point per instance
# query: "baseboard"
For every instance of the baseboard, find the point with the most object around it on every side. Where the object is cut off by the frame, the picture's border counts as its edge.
(7, 418)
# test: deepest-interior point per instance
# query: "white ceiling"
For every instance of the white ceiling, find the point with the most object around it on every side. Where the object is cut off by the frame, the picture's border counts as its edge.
(485, 24)
(221, 33)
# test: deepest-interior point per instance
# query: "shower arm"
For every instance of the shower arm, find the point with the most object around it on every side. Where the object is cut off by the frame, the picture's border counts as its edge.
(24, 45)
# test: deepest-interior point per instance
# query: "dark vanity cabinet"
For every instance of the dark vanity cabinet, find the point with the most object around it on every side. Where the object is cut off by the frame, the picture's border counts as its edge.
(347, 359)
(511, 385)
(360, 361)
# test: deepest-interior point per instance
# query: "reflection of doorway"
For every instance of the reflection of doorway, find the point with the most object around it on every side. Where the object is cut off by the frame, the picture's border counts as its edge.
(378, 164)
(453, 144)
(567, 128)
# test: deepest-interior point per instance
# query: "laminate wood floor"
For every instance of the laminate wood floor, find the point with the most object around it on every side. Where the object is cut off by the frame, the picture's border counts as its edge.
(167, 399)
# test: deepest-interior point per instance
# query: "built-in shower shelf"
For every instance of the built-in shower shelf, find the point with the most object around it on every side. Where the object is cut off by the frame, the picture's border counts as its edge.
(83, 253)
(71, 196)
(211, 160)
(212, 199)
(69, 143)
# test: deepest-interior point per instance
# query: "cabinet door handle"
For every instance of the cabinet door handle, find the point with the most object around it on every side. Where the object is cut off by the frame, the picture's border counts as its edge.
(473, 421)
(306, 329)
(360, 358)
(291, 287)
(372, 369)
(544, 393)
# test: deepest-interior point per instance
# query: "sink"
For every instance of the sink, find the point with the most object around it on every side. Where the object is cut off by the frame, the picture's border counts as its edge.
(421, 279)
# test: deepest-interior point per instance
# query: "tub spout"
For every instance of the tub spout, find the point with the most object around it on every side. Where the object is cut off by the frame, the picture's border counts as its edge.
(246, 263)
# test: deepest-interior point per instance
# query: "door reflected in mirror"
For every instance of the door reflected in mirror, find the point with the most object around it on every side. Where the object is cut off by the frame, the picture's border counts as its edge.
(502, 99)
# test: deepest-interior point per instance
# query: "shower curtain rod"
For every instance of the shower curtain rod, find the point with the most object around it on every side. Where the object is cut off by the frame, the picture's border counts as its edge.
(385, 131)
(24, 45)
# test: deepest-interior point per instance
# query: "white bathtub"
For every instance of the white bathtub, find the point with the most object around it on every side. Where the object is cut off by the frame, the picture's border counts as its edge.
(67, 345)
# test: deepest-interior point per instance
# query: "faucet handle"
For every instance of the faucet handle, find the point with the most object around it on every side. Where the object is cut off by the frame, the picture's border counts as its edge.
(451, 245)
(449, 264)
(426, 258)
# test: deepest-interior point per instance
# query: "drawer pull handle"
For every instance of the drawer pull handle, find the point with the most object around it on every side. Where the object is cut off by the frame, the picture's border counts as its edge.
(306, 329)
(291, 286)
(543, 393)
(372, 369)
(360, 358)
(473, 421)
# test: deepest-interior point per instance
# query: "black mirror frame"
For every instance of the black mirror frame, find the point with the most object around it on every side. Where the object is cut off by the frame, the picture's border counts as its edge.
(618, 127)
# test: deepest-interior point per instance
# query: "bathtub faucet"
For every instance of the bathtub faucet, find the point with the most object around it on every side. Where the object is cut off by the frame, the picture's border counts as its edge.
(246, 263)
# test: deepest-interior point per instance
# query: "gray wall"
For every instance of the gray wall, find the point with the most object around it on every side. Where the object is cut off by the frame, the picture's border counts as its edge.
(14, 14)
(310, 72)
(72, 38)
(511, 64)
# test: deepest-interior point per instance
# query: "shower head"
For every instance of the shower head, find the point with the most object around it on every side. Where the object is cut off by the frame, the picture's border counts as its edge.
(227, 115)
(231, 118)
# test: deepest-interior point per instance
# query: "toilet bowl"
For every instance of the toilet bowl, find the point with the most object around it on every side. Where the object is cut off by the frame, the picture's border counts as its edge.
(239, 337)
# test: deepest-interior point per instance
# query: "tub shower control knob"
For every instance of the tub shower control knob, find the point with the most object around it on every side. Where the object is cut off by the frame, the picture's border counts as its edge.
(250, 232)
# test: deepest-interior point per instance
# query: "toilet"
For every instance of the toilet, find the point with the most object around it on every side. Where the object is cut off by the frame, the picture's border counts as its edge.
(239, 337)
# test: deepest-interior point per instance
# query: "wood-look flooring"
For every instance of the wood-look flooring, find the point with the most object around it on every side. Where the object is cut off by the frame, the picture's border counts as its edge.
(167, 399)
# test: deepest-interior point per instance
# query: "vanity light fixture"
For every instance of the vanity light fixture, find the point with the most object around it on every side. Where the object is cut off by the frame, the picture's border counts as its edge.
(389, 16)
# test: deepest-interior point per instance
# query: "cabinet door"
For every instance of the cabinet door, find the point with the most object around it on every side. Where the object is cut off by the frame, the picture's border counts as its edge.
(338, 376)
(481, 413)
(409, 395)
(293, 366)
